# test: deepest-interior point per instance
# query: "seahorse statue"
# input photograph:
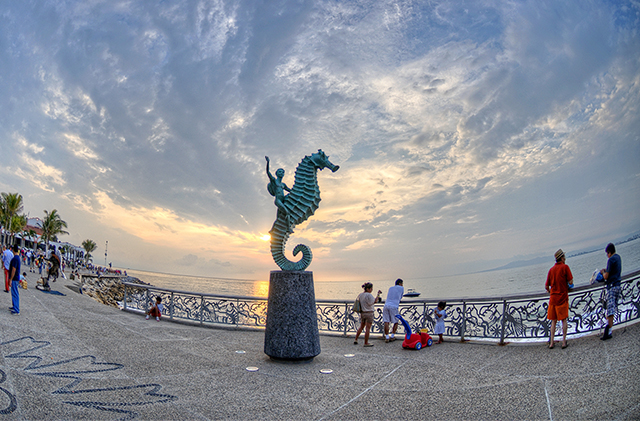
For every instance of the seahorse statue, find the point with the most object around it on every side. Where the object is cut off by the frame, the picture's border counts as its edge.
(296, 207)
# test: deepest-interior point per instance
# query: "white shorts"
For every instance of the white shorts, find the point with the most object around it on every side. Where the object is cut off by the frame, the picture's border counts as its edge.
(388, 314)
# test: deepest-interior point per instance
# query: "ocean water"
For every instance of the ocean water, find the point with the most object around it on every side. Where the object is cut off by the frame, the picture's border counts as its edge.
(496, 283)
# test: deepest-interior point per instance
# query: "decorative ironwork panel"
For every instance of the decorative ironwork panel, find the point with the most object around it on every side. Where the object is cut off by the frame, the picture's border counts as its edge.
(526, 319)
(419, 316)
(186, 307)
(252, 313)
(136, 298)
(483, 320)
(334, 317)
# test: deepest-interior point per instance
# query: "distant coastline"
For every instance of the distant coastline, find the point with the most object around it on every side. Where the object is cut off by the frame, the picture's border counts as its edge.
(539, 260)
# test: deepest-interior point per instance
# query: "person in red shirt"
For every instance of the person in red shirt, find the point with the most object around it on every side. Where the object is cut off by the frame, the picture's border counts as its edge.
(559, 280)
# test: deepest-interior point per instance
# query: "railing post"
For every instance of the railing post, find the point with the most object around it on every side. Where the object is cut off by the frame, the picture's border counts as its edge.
(146, 306)
(504, 321)
(171, 307)
(201, 308)
(237, 323)
(346, 318)
(464, 320)
(125, 298)
(424, 314)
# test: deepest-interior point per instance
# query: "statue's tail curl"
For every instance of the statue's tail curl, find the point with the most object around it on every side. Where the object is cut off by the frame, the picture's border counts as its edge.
(278, 241)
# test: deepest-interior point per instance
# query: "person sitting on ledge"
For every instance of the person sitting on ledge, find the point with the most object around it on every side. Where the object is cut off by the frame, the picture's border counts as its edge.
(156, 309)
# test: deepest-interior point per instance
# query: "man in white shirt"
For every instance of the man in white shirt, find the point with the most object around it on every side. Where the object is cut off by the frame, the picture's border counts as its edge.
(391, 309)
(6, 261)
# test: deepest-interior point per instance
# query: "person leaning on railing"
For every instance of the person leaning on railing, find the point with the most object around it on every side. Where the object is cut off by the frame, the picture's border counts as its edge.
(612, 279)
(559, 280)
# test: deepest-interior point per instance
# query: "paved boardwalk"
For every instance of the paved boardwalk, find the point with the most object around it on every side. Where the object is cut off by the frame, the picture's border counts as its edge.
(69, 357)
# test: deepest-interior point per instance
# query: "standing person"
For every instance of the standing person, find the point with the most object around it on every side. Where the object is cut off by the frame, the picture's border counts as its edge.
(367, 302)
(40, 264)
(391, 309)
(559, 280)
(15, 281)
(612, 277)
(440, 314)
(7, 255)
(53, 272)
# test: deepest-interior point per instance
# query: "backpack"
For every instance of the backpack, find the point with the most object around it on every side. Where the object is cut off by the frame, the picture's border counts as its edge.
(596, 277)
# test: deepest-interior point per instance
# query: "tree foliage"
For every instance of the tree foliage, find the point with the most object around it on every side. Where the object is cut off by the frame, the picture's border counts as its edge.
(52, 226)
(11, 204)
(89, 246)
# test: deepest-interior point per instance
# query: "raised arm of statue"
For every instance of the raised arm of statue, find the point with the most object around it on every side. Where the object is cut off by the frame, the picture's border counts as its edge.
(277, 188)
(271, 178)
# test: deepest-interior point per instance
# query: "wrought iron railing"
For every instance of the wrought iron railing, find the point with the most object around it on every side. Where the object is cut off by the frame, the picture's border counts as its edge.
(517, 318)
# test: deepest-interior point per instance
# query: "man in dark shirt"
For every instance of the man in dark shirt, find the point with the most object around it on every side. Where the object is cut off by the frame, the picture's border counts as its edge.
(14, 275)
(612, 277)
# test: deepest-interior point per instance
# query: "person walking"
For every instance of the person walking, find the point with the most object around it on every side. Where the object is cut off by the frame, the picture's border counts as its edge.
(7, 255)
(15, 281)
(559, 280)
(367, 302)
(612, 277)
(390, 309)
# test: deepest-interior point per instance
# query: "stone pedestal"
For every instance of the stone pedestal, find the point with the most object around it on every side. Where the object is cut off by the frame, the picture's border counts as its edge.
(291, 332)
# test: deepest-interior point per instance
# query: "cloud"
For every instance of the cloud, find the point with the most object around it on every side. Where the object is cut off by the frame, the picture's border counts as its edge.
(187, 260)
(368, 243)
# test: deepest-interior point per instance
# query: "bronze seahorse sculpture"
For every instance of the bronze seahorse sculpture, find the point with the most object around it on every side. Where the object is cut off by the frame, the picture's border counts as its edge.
(296, 207)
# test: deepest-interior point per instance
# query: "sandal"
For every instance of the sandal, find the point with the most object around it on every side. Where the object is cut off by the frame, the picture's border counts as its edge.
(355, 342)
(368, 345)
(564, 346)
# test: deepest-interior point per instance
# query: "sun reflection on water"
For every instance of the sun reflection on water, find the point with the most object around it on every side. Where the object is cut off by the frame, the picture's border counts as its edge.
(260, 289)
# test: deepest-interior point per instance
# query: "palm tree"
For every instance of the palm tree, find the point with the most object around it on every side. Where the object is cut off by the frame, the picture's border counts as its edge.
(18, 224)
(89, 246)
(11, 206)
(52, 225)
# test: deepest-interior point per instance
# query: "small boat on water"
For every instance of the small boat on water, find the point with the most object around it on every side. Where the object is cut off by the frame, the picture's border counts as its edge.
(411, 293)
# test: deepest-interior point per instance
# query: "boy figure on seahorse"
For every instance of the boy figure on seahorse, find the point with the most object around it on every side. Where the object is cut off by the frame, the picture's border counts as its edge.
(276, 188)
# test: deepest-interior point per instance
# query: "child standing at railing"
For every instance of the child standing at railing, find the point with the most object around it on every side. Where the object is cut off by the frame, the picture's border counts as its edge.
(440, 314)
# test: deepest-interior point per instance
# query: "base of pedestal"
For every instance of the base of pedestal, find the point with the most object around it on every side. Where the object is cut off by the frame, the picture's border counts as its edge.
(291, 332)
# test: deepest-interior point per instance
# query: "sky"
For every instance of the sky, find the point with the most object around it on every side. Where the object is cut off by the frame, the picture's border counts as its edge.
(468, 133)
